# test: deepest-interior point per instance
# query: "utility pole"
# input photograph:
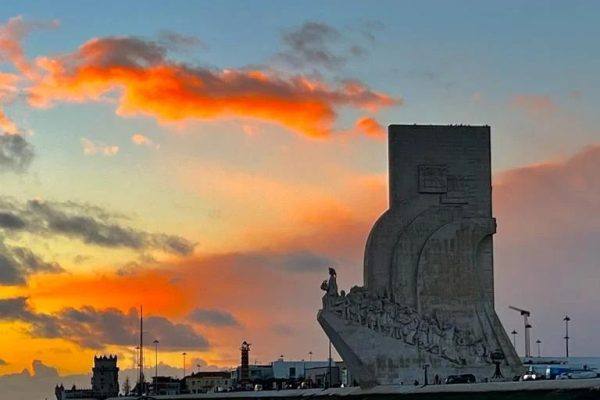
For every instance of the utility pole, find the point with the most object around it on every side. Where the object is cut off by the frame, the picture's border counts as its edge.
(567, 319)
(141, 386)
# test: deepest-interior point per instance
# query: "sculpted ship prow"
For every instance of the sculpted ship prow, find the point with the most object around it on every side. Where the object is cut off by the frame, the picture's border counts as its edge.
(428, 297)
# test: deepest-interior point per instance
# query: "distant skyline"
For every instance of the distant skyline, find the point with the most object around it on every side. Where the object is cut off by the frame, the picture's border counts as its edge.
(211, 159)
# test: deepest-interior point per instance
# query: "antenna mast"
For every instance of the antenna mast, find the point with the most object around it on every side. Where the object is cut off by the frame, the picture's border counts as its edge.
(141, 386)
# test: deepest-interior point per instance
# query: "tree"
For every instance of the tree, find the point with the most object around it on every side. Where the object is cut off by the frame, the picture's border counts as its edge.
(126, 386)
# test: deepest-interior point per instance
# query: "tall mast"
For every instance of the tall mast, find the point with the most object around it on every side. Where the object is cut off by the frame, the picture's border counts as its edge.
(141, 387)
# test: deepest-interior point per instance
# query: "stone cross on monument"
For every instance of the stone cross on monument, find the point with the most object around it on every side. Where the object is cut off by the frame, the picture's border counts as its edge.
(428, 294)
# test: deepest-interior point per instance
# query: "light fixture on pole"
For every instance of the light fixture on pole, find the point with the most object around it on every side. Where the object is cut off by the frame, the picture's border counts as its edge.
(539, 343)
(514, 333)
(183, 354)
(310, 356)
(566, 319)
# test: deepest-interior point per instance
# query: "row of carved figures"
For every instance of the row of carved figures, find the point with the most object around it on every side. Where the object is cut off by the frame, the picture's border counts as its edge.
(382, 315)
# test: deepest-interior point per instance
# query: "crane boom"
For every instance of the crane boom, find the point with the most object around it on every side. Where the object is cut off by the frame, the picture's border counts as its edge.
(523, 312)
(526, 314)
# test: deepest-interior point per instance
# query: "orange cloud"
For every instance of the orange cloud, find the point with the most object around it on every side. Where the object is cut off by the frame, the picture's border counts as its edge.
(145, 82)
(370, 127)
(534, 104)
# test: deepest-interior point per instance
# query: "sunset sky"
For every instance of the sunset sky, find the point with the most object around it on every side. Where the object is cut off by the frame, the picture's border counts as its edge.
(211, 159)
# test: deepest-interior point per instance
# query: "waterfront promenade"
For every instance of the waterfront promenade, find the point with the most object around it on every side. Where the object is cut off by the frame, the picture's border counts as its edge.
(583, 389)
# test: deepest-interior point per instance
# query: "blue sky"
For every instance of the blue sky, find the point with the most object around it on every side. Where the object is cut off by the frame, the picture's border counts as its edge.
(248, 186)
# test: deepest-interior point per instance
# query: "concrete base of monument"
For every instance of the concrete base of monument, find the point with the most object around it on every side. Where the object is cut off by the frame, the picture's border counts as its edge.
(584, 389)
(378, 358)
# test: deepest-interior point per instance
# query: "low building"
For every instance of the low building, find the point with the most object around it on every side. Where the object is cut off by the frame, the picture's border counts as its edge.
(294, 370)
(208, 381)
(257, 374)
(165, 385)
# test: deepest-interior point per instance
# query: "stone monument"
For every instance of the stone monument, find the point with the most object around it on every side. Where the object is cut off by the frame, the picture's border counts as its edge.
(427, 303)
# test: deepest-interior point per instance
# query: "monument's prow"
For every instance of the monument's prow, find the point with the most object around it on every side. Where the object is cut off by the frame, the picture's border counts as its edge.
(428, 295)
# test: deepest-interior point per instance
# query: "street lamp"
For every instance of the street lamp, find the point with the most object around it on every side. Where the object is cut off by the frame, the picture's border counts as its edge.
(539, 342)
(514, 333)
(567, 319)
(156, 342)
(310, 356)
(183, 354)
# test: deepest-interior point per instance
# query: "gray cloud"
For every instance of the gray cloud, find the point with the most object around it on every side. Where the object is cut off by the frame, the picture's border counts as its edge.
(17, 263)
(315, 44)
(90, 224)
(96, 329)
(178, 42)
(309, 44)
(306, 261)
(3, 362)
(213, 317)
(16, 153)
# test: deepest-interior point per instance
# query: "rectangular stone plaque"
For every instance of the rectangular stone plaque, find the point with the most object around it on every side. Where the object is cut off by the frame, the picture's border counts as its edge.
(433, 179)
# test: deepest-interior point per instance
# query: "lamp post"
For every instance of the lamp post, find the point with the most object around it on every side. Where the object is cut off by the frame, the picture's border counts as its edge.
(310, 356)
(514, 333)
(539, 342)
(183, 354)
(156, 342)
(566, 319)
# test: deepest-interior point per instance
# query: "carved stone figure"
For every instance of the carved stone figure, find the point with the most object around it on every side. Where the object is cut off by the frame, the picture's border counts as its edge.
(428, 295)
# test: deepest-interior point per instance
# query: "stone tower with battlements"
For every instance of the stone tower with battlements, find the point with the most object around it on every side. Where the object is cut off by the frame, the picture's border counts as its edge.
(105, 377)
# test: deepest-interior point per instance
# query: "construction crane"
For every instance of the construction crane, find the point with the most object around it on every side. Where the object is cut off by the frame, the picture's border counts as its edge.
(526, 314)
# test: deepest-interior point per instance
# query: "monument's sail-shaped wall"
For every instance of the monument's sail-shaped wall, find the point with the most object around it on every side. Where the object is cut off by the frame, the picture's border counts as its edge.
(428, 295)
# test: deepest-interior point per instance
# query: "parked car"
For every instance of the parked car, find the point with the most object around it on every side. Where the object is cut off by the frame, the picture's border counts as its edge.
(464, 378)
(533, 376)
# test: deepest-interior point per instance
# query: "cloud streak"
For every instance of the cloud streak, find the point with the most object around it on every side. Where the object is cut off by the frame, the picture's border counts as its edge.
(92, 225)
(95, 329)
(17, 263)
(213, 317)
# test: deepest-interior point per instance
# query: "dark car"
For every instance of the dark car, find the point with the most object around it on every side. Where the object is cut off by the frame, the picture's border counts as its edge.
(464, 378)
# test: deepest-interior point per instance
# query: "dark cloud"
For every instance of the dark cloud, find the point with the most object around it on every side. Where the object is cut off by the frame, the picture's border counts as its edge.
(16, 153)
(17, 263)
(3, 362)
(309, 45)
(316, 44)
(132, 52)
(295, 261)
(213, 317)
(306, 261)
(96, 329)
(90, 224)
(11, 221)
(178, 42)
